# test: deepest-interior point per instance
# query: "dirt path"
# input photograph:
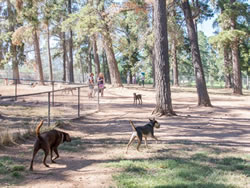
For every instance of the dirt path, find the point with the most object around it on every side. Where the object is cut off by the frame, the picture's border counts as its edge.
(102, 136)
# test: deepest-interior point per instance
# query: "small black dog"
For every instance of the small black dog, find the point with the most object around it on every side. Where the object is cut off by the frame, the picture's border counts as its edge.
(48, 141)
(137, 97)
(143, 131)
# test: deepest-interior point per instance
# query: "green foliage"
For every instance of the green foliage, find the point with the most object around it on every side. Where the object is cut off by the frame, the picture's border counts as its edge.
(86, 22)
(235, 29)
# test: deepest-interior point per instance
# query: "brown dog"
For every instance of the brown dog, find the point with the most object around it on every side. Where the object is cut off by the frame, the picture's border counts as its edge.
(48, 141)
(137, 97)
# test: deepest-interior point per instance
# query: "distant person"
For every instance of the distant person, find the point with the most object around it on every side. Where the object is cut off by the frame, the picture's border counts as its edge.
(142, 79)
(100, 81)
(134, 80)
(6, 81)
(128, 79)
(91, 85)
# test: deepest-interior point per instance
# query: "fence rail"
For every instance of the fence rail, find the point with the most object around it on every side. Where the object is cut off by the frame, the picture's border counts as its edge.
(50, 94)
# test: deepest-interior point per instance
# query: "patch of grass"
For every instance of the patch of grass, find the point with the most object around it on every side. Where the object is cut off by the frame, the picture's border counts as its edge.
(75, 145)
(197, 170)
(10, 171)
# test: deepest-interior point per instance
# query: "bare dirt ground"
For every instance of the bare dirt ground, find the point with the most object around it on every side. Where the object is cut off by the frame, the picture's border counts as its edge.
(104, 134)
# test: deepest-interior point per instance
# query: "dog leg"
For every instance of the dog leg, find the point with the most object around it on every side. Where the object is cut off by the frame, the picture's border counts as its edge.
(146, 144)
(132, 138)
(139, 143)
(51, 155)
(46, 153)
(155, 138)
(57, 154)
(139, 136)
(36, 149)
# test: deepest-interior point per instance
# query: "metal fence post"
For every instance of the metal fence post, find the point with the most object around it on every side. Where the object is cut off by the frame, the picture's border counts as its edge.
(78, 101)
(48, 108)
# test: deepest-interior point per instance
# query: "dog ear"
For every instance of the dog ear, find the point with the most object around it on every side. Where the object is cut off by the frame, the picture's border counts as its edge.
(150, 119)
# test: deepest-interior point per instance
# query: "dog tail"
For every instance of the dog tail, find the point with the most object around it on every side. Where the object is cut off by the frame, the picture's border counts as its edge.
(38, 128)
(132, 124)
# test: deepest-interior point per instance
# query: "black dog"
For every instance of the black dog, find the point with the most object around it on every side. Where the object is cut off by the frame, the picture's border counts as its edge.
(48, 141)
(137, 97)
(143, 131)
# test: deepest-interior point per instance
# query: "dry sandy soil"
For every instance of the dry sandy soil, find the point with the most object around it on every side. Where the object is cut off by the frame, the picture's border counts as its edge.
(104, 134)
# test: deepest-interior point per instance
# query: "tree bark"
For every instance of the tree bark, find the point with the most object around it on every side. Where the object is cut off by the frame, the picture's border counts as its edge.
(113, 67)
(227, 68)
(237, 86)
(38, 56)
(96, 57)
(237, 81)
(203, 97)
(153, 66)
(63, 39)
(15, 68)
(163, 92)
(175, 64)
(49, 54)
(13, 48)
(89, 59)
(70, 65)
(105, 68)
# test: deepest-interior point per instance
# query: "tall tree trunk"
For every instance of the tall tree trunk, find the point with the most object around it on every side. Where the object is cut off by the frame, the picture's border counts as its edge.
(70, 67)
(237, 81)
(63, 39)
(153, 52)
(89, 59)
(163, 92)
(96, 57)
(175, 64)
(38, 56)
(13, 48)
(237, 86)
(105, 68)
(153, 66)
(227, 68)
(203, 98)
(113, 67)
(49, 54)
(15, 68)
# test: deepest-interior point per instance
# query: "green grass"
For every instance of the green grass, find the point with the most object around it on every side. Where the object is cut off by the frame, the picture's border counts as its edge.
(76, 145)
(10, 171)
(197, 170)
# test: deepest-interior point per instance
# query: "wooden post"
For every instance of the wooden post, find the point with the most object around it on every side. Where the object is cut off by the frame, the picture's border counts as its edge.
(48, 108)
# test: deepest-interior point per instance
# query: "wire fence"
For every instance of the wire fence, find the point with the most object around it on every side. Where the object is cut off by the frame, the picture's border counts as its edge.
(22, 105)
(189, 81)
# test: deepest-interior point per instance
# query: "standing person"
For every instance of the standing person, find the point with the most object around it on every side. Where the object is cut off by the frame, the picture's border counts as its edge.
(142, 78)
(100, 81)
(91, 85)
(134, 79)
(128, 79)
